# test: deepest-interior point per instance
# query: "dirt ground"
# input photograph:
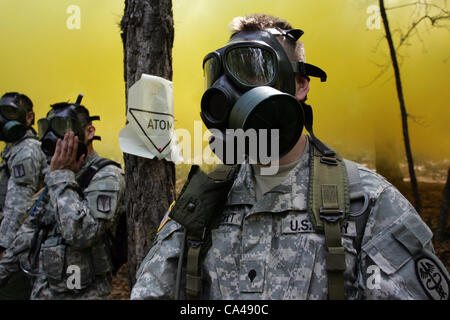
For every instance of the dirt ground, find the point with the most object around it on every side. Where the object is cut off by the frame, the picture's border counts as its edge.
(431, 195)
(121, 289)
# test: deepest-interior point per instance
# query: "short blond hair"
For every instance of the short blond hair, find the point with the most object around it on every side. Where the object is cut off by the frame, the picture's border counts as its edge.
(260, 21)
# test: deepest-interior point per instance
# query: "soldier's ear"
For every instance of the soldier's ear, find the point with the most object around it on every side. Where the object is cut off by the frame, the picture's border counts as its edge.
(89, 132)
(301, 87)
(29, 118)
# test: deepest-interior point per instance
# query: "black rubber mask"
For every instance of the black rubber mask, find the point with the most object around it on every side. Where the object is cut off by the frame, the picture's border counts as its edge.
(63, 118)
(12, 120)
(250, 84)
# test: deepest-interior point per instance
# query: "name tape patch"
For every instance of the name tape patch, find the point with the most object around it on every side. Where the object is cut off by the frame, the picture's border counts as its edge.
(296, 223)
(232, 217)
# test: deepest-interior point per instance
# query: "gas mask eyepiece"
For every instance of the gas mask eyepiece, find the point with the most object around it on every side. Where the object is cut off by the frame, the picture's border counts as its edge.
(50, 130)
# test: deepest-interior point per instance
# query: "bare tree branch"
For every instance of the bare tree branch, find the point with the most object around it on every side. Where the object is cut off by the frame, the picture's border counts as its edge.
(432, 19)
(419, 120)
(403, 5)
(398, 83)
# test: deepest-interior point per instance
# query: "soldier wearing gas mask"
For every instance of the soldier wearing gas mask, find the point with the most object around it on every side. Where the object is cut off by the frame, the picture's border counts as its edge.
(22, 174)
(23, 163)
(65, 244)
(321, 227)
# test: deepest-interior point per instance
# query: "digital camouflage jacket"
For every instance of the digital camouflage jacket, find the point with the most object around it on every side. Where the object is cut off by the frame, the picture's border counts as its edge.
(268, 249)
(26, 165)
(71, 229)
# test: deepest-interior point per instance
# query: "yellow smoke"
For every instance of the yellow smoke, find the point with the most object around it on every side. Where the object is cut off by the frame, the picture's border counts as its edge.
(49, 62)
(42, 57)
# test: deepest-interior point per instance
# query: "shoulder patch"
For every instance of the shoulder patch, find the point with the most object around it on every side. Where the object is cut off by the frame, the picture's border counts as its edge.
(166, 217)
(19, 170)
(104, 203)
(432, 278)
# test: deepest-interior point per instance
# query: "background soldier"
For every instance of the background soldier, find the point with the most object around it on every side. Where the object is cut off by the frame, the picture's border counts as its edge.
(22, 174)
(65, 244)
(306, 232)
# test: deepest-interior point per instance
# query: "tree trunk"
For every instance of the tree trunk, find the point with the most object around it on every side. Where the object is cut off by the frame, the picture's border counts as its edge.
(147, 35)
(443, 217)
(404, 114)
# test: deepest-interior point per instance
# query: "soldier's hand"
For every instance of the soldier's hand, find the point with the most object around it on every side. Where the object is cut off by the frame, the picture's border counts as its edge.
(65, 156)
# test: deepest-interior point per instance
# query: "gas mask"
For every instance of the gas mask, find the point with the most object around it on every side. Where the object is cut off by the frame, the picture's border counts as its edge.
(63, 118)
(12, 118)
(250, 84)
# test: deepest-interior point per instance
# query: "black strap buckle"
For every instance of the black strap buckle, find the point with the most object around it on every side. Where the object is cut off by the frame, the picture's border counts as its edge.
(331, 215)
(329, 160)
(195, 244)
(364, 207)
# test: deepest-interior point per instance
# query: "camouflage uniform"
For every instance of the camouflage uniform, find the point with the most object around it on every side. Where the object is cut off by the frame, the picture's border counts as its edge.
(268, 249)
(27, 166)
(77, 227)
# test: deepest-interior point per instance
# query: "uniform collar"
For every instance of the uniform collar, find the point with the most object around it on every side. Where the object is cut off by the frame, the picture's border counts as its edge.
(87, 163)
(292, 194)
(29, 133)
(243, 189)
(10, 145)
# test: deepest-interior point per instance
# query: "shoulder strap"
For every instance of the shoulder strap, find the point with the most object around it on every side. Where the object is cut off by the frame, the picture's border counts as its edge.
(89, 173)
(5, 159)
(360, 204)
(4, 178)
(28, 137)
(328, 205)
(198, 209)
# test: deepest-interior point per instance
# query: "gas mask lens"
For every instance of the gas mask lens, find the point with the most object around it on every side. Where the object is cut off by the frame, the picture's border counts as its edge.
(251, 66)
(43, 125)
(10, 112)
(63, 125)
(59, 125)
(211, 70)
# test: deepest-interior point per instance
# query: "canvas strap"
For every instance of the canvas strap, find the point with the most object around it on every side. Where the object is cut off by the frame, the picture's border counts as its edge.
(328, 203)
(196, 242)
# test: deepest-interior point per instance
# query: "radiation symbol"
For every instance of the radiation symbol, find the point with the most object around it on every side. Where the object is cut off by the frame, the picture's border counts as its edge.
(157, 127)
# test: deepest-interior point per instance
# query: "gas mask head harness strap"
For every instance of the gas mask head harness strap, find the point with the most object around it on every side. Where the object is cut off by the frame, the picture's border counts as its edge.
(250, 84)
(299, 67)
(13, 113)
(61, 119)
